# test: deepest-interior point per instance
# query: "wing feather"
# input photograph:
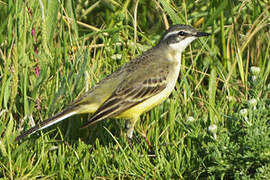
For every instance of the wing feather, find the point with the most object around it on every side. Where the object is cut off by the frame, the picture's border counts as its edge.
(125, 97)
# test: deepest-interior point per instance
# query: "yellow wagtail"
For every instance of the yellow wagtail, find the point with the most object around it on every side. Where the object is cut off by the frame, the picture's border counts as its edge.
(136, 87)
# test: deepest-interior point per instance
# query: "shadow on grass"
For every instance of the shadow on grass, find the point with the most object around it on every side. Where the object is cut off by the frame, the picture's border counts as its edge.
(71, 132)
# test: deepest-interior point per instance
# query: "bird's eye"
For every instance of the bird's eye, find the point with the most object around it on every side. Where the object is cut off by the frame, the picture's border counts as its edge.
(181, 33)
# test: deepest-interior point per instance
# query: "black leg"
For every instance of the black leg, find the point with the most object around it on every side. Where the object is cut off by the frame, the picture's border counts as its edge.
(130, 142)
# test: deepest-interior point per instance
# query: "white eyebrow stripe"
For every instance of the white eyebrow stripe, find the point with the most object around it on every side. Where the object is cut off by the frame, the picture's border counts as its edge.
(169, 34)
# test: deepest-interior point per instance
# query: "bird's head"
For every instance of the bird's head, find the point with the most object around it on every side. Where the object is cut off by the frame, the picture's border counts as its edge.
(179, 36)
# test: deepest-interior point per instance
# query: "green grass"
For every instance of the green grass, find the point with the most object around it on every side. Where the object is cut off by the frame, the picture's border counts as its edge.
(47, 62)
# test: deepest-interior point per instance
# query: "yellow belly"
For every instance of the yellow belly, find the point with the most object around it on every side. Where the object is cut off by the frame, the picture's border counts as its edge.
(145, 106)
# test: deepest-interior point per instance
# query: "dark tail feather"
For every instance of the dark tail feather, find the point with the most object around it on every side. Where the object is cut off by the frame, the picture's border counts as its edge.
(53, 120)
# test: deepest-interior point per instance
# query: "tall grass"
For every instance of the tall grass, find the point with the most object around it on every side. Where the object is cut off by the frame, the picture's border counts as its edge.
(214, 125)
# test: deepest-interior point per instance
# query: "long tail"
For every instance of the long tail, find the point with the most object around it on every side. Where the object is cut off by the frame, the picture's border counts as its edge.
(49, 122)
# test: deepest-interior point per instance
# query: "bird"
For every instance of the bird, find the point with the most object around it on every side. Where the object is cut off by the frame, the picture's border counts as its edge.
(133, 89)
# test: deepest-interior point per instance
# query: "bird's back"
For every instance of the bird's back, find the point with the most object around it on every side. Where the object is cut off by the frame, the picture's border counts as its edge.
(124, 76)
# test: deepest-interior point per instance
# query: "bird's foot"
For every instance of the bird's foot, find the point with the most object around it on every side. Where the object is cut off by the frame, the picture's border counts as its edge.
(130, 142)
(130, 139)
(147, 142)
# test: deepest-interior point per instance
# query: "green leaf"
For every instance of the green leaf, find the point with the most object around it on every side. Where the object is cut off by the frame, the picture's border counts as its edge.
(169, 10)
(51, 19)
(212, 94)
(7, 92)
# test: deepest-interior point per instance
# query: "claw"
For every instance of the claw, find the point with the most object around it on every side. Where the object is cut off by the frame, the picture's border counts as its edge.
(147, 142)
(129, 142)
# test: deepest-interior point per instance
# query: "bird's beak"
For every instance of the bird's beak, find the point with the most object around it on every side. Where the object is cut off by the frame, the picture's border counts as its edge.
(200, 34)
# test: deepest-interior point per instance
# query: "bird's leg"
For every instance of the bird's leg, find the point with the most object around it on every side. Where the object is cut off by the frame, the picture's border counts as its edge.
(144, 135)
(130, 128)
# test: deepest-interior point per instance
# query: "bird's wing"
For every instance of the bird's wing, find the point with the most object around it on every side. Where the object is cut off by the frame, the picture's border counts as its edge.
(131, 93)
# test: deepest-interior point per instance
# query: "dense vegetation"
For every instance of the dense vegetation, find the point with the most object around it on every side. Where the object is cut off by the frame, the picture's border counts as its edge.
(214, 125)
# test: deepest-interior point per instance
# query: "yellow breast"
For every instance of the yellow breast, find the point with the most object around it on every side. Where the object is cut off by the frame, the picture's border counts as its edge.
(154, 100)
